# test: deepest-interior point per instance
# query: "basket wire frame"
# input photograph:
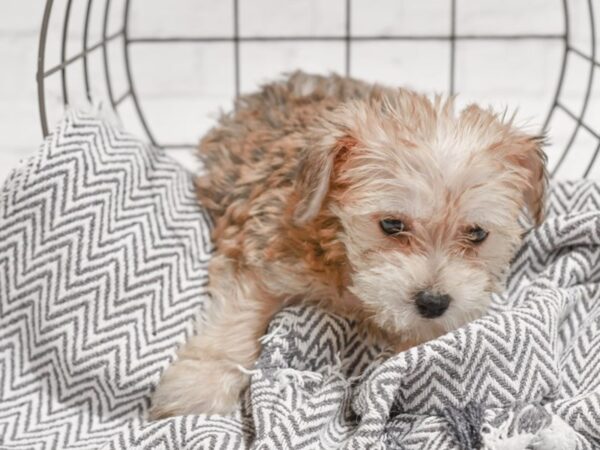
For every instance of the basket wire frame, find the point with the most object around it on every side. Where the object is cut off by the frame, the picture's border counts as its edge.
(347, 38)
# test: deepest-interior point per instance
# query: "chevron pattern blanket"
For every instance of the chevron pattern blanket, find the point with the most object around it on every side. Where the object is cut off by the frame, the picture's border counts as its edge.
(103, 252)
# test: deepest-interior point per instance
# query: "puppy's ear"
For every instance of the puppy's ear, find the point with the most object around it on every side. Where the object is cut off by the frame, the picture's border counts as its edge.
(317, 167)
(528, 155)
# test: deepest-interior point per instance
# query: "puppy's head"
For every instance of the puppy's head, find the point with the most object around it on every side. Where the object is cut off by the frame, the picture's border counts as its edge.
(429, 204)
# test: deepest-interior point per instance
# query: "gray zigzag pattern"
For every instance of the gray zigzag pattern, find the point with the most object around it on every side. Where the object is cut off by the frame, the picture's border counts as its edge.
(103, 253)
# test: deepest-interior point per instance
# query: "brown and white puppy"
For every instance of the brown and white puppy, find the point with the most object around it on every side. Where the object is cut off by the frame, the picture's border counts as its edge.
(374, 202)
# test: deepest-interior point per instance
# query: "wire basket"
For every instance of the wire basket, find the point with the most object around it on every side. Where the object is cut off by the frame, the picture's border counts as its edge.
(91, 45)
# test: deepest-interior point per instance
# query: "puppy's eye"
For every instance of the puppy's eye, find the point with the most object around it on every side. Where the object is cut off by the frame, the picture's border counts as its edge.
(477, 234)
(392, 227)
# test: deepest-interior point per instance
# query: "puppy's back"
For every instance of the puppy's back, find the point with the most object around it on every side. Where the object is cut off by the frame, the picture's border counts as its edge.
(255, 147)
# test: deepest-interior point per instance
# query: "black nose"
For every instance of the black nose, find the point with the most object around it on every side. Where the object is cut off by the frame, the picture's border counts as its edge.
(431, 305)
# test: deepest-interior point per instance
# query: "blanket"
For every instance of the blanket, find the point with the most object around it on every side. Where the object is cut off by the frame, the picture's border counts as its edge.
(103, 257)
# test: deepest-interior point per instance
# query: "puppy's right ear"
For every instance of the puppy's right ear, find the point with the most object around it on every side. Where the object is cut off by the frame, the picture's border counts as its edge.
(317, 167)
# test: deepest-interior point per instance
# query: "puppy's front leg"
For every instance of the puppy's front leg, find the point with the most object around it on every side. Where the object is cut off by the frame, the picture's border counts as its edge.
(206, 377)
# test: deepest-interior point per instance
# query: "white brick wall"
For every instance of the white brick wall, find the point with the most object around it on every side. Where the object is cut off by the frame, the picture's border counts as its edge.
(182, 86)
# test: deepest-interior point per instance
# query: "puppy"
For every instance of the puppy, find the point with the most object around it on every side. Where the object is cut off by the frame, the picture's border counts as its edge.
(375, 202)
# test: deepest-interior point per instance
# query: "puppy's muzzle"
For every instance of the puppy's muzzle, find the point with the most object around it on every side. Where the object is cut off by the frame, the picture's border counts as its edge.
(431, 305)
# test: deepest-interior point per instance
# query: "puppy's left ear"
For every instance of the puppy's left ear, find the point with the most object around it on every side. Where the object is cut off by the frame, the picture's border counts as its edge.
(317, 169)
(528, 155)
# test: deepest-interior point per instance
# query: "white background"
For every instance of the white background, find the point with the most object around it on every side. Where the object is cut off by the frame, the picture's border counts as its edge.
(183, 86)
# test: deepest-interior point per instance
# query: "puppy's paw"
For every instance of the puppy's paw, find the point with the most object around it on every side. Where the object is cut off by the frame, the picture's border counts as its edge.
(192, 386)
